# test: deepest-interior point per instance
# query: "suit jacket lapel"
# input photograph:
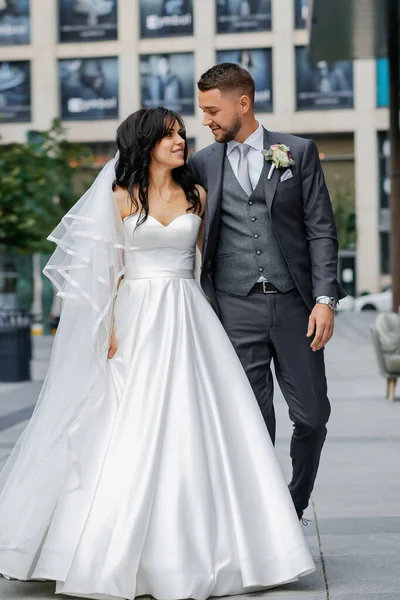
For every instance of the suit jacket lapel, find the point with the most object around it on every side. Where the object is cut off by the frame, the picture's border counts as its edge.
(269, 184)
(215, 169)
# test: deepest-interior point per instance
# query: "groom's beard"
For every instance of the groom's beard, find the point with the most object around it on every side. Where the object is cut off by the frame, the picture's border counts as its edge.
(229, 134)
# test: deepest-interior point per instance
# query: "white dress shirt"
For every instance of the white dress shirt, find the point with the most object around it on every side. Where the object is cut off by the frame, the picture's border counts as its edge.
(255, 159)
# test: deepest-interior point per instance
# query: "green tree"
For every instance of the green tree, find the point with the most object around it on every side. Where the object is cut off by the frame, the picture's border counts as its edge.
(343, 202)
(39, 181)
(37, 187)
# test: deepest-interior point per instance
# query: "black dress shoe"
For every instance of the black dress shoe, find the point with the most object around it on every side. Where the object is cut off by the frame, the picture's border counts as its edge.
(302, 519)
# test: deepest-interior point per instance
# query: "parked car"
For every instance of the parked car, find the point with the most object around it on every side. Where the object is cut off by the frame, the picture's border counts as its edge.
(346, 304)
(378, 302)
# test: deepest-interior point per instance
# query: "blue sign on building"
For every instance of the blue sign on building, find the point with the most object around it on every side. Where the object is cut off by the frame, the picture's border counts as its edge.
(382, 82)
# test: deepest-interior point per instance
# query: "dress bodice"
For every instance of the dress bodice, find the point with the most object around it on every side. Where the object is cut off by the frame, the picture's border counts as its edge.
(156, 250)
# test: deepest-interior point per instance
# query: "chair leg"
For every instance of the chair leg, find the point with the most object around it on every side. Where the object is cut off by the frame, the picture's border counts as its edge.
(391, 386)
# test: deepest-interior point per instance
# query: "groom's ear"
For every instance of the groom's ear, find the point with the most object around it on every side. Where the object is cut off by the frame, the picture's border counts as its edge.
(245, 104)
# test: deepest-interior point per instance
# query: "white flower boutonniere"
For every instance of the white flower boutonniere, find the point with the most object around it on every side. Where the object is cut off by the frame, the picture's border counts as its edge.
(279, 155)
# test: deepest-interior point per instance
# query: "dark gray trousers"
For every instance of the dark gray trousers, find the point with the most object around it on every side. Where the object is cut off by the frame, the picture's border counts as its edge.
(265, 327)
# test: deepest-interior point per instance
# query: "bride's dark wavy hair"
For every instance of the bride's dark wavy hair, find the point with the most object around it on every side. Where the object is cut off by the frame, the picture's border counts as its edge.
(136, 138)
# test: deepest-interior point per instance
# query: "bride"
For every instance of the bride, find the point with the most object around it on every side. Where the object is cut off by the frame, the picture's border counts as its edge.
(146, 467)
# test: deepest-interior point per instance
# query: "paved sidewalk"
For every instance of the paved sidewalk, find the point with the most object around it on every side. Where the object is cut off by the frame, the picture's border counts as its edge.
(355, 530)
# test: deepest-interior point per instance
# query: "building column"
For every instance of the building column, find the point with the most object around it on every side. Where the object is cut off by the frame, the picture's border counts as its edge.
(44, 73)
(128, 58)
(366, 178)
(204, 35)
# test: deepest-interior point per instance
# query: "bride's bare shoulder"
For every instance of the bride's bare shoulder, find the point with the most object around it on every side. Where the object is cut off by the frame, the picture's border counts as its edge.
(123, 201)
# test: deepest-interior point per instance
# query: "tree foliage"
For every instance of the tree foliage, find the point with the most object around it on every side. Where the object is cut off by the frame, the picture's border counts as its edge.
(37, 187)
(343, 202)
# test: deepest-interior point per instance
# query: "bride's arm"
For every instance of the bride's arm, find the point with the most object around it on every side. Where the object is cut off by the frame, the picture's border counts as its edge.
(203, 200)
(123, 203)
(113, 347)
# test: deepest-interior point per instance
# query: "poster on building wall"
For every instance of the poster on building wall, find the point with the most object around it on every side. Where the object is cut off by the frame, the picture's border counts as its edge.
(384, 168)
(191, 145)
(382, 82)
(14, 22)
(168, 80)
(259, 64)
(324, 86)
(88, 88)
(86, 20)
(301, 13)
(165, 18)
(237, 16)
(384, 210)
(15, 91)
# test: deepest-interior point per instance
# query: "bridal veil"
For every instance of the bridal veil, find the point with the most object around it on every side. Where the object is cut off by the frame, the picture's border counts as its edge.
(85, 269)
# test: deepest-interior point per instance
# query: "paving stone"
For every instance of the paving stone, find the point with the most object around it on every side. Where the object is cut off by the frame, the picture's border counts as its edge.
(363, 575)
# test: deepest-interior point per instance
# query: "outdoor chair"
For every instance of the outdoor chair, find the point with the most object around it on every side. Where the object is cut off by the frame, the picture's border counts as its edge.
(386, 338)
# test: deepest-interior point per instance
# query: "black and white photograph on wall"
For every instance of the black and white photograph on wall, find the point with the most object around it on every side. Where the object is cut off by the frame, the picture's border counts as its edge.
(259, 64)
(88, 88)
(15, 91)
(323, 86)
(301, 13)
(87, 20)
(165, 18)
(168, 80)
(14, 22)
(237, 16)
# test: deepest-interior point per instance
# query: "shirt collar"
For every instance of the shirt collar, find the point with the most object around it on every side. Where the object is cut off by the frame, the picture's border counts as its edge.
(255, 140)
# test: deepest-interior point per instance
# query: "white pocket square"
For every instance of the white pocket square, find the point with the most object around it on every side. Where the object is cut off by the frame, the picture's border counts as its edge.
(287, 175)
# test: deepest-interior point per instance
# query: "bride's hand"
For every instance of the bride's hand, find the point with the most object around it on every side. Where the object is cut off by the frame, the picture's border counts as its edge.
(113, 344)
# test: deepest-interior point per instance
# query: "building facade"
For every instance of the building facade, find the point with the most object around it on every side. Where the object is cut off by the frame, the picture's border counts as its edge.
(93, 66)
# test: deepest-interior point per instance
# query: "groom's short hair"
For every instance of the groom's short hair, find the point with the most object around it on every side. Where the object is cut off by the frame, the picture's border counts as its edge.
(228, 77)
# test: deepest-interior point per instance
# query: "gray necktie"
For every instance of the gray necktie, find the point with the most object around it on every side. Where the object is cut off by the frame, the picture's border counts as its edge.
(243, 168)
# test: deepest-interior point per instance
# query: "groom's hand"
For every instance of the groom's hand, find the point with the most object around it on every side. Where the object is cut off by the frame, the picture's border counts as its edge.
(320, 324)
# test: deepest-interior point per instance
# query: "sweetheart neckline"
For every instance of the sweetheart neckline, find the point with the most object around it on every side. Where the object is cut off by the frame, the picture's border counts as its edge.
(173, 220)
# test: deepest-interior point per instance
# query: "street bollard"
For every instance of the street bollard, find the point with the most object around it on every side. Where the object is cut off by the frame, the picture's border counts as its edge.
(15, 346)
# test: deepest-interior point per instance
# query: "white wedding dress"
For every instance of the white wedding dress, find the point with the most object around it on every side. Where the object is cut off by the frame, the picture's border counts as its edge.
(180, 494)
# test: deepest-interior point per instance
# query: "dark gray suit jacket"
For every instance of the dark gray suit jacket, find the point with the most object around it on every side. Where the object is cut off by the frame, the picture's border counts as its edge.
(300, 210)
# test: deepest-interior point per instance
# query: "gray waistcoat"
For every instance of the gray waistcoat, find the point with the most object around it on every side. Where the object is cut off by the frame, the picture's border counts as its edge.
(247, 245)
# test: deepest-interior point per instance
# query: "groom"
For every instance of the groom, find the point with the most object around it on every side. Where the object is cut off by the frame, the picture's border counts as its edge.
(269, 260)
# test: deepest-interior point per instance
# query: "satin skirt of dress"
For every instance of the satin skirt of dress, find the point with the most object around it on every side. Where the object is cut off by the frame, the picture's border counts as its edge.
(180, 494)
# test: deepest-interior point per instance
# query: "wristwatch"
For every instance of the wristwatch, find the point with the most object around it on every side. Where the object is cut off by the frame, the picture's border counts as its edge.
(328, 300)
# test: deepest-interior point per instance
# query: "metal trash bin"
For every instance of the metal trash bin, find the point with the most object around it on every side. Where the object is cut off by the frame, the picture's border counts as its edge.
(15, 346)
